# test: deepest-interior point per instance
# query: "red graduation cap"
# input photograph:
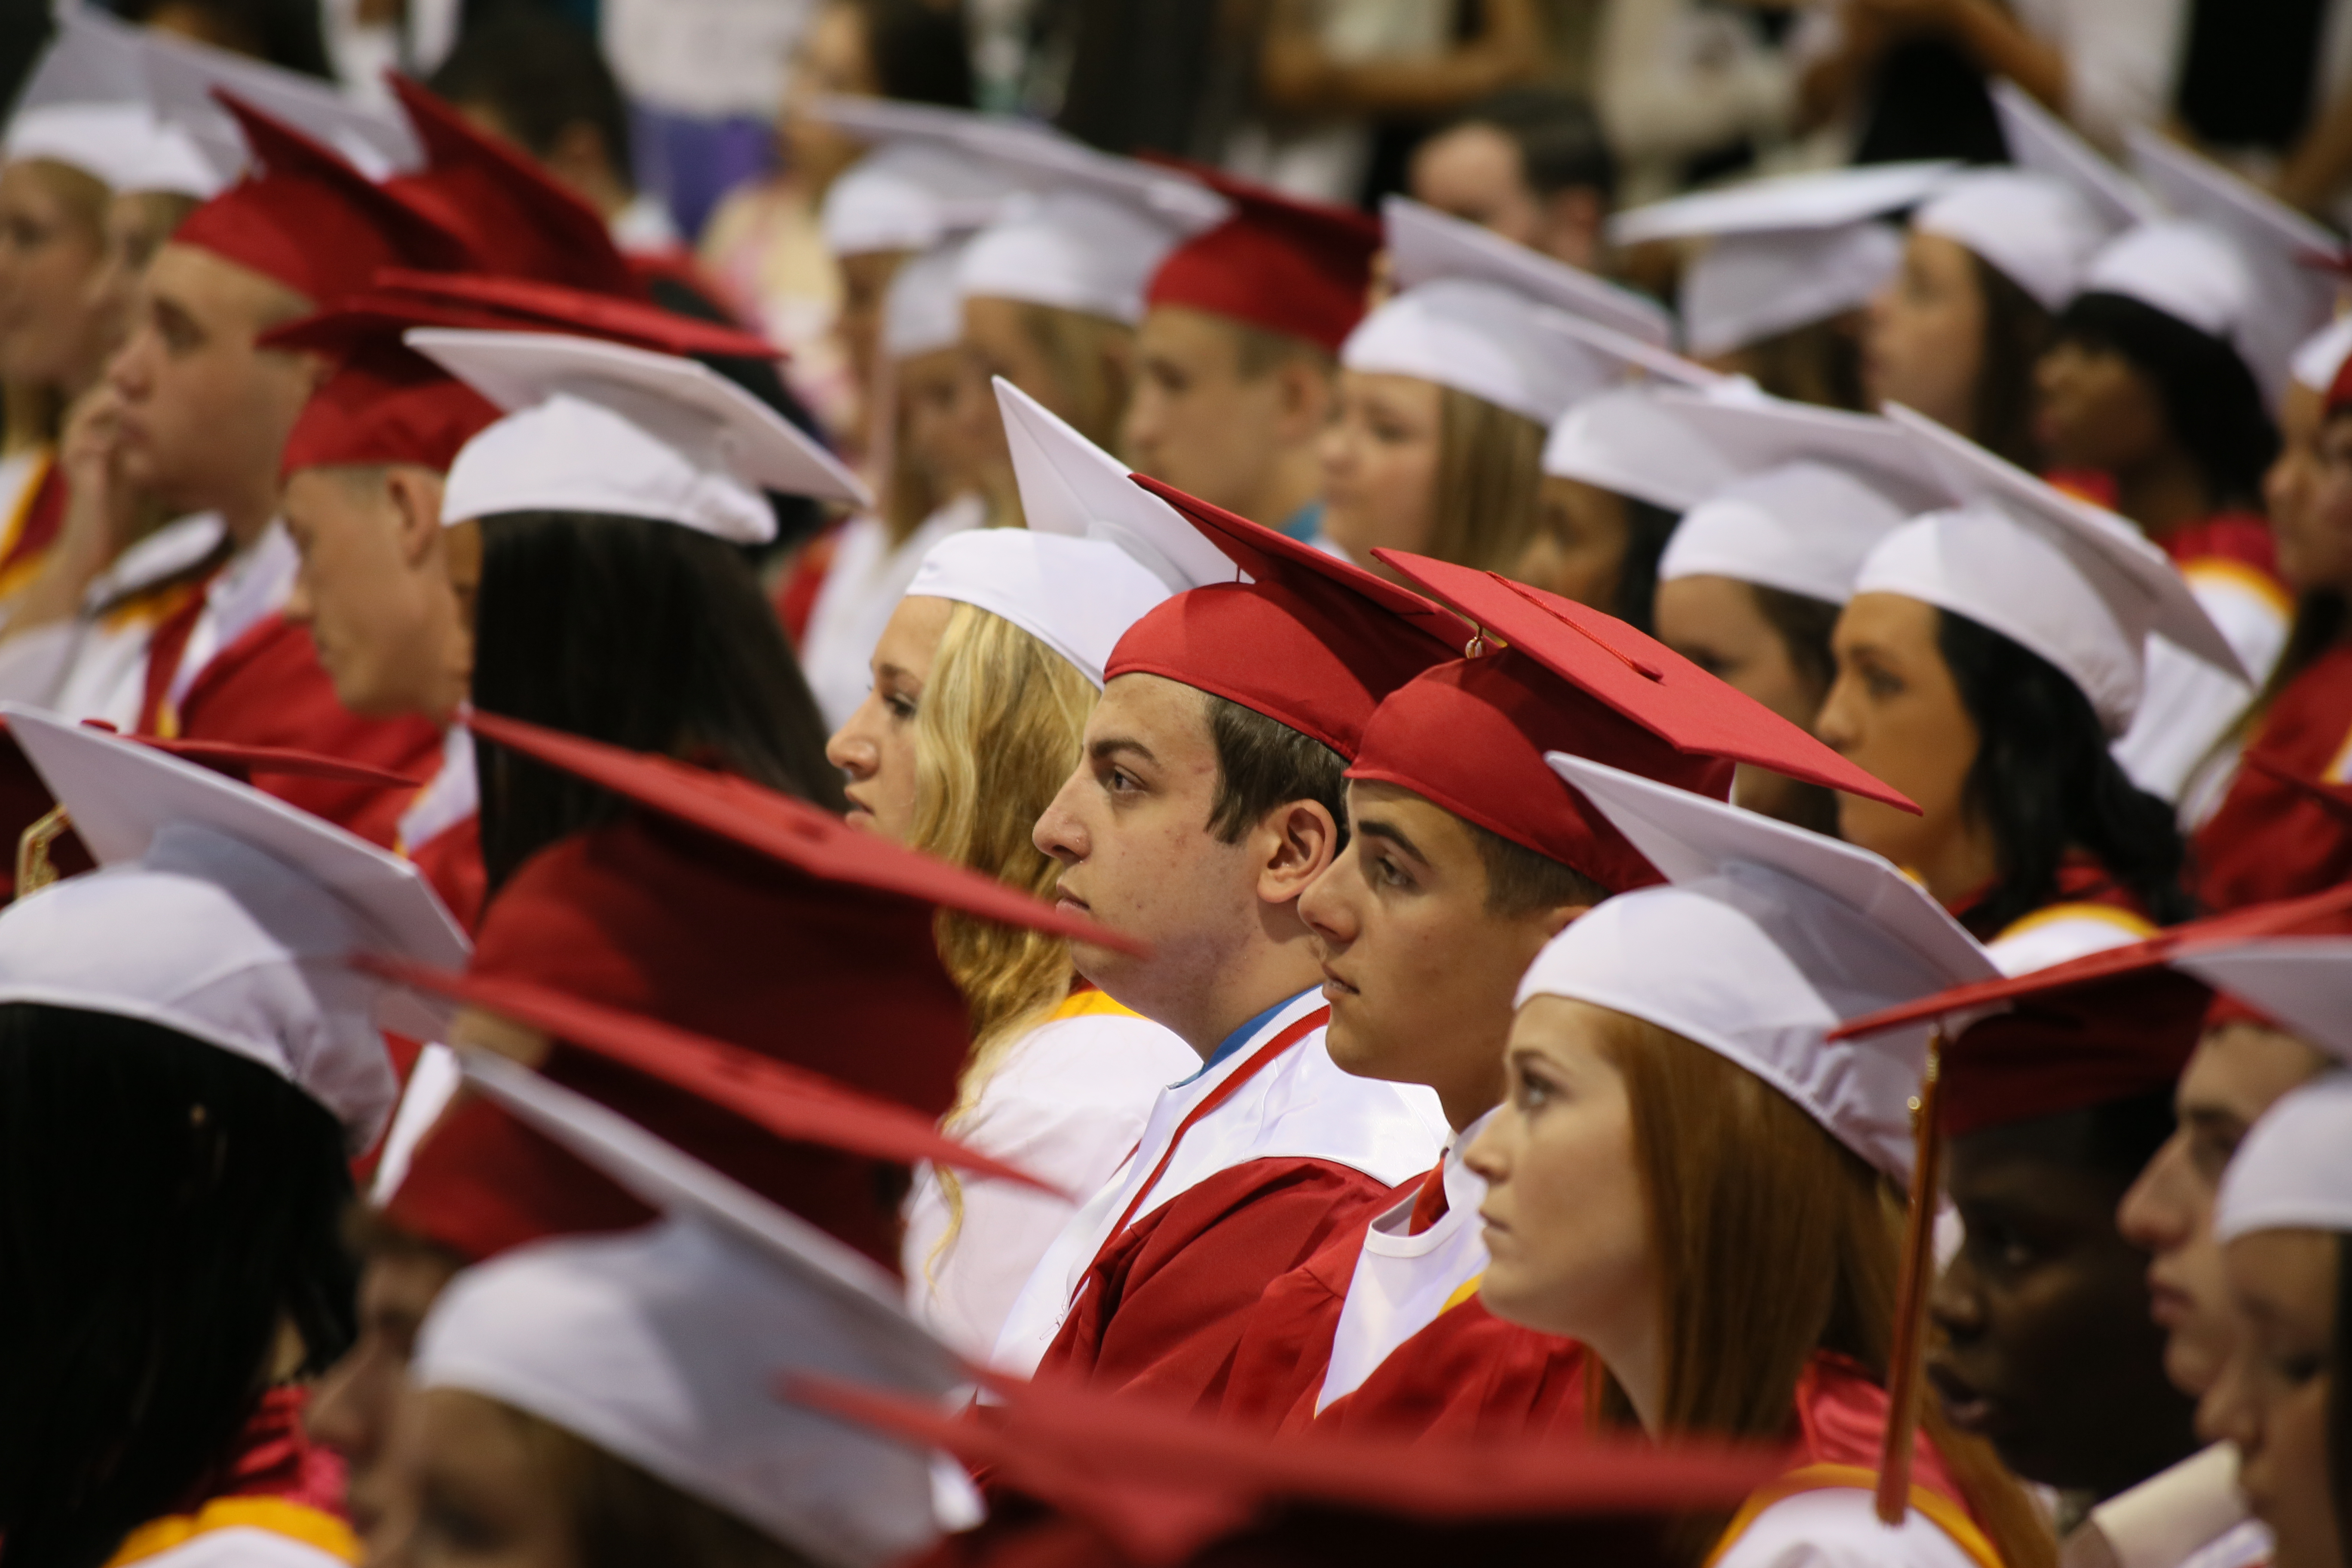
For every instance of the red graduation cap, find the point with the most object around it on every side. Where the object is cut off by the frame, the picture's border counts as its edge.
(384, 404)
(517, 220)
(1150, 1485)
(1299, 268)
(816, 951)
(1310, 641)
(478, 301)
(1471, 736)
(312, 221)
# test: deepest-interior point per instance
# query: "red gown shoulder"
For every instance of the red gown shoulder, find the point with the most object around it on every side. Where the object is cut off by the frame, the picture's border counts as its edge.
(2270, 840)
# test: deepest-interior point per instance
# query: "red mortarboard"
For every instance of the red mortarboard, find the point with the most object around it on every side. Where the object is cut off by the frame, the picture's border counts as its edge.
(312, 221)
(385, 403)
(476, 301)
(1300, 269)
(1470, 735)
(1158, 1487)
(2104, 1026)
(517, 221)
(1310, 641)
(817, 951)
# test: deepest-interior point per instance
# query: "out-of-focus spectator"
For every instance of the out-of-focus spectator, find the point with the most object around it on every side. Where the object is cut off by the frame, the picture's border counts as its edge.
(1531, 164)
(283, 32)
(1908, 76)
(765, 248)
(1686, 88)
(541, 83)
(1345, 85)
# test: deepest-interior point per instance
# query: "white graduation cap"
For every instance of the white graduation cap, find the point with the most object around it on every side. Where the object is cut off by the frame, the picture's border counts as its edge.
(1076, 577)
(598, 427)
(1785, 252)
(2076, 584)
(2320, 360)
(1766, 938)
(665, 1346)
(909, 195)
(1089, 230)
(1424, 245)
(1070, 486)
(2040, 141)
(182, 75)
(2294, 1171)
(1814, 490)
(2291, 298)
(1490, 341)
(2193, 272)
(86, 104)
(1631, 440)
(2037, 231)
(225, 914)
(2303, 982)
(922, 309)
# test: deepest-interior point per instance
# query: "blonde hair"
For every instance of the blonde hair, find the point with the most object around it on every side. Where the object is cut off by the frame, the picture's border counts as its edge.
(1090, 357)
(1774, 1241)
(1001, 726)
(1489, 483)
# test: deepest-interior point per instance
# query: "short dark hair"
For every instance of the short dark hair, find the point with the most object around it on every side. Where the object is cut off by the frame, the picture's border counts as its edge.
(920, 50)
(1561, 144)
(1263, 764)
(2212, 405)
(540, 75)
(1520, 882)
(285, 32)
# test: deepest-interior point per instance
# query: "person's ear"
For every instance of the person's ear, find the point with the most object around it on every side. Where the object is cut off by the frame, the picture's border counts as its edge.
(1559, 917)
(415, 496)
(1295, 843)
(1306, 394)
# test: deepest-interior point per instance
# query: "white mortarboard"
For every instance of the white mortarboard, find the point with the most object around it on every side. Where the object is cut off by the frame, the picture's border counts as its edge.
(2321, 358)
(226, 915)
(1631, 440)
(1813, 492)
(1089, 229)
(909, 195)
(1073, 578)
(2303, 982)
(2040, 141)
(2075, 584)
(665, 1346)
(1489, 341)
(2191, 271)
(2294, 1171)
(86, 104)
(1070, 486)
(1424, 245)
(2293, 298)
(182, 75)
(598, 427)
(2037, 231)
(1786, 252)
(922, 309)
(1766, 938)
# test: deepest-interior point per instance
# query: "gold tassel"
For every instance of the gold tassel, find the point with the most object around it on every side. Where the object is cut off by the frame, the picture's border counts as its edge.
(1904, 1370)
(33, 871)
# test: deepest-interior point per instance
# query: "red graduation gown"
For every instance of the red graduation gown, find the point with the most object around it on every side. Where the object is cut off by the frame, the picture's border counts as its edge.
(275, 1484)
(2270, 840)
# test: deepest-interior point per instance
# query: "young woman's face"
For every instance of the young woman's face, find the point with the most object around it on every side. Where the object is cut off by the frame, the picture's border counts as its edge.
(1579, 550)
(1895, 711)
(1923, 345)
(947, 418)
(1567, 1225)
(1716, 624)
(49, 334)
(832, 57)
(2310, 493)
(877, 747)
(482, 1498)
(1379, 465)
(2274, 1396)
(2094, 409)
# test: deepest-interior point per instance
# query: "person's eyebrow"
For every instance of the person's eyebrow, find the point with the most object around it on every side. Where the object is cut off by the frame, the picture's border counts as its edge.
(1113, 746)
(1389, 832)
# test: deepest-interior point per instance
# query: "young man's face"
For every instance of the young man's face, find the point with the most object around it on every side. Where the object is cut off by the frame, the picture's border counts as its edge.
(1199, 421)
(2237, 1072)
(204, 412)
(1420, 971)
(374, 588)
(1477, 173)
(1131, 830)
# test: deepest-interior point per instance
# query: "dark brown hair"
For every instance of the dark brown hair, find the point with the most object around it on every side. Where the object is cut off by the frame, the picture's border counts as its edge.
(1520, 882)
(621, 1517)
(2016, 330)
(1263, 764)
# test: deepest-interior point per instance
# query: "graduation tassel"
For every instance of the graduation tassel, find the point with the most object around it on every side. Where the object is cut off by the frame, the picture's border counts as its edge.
(1904, 1367)
(33, 871)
